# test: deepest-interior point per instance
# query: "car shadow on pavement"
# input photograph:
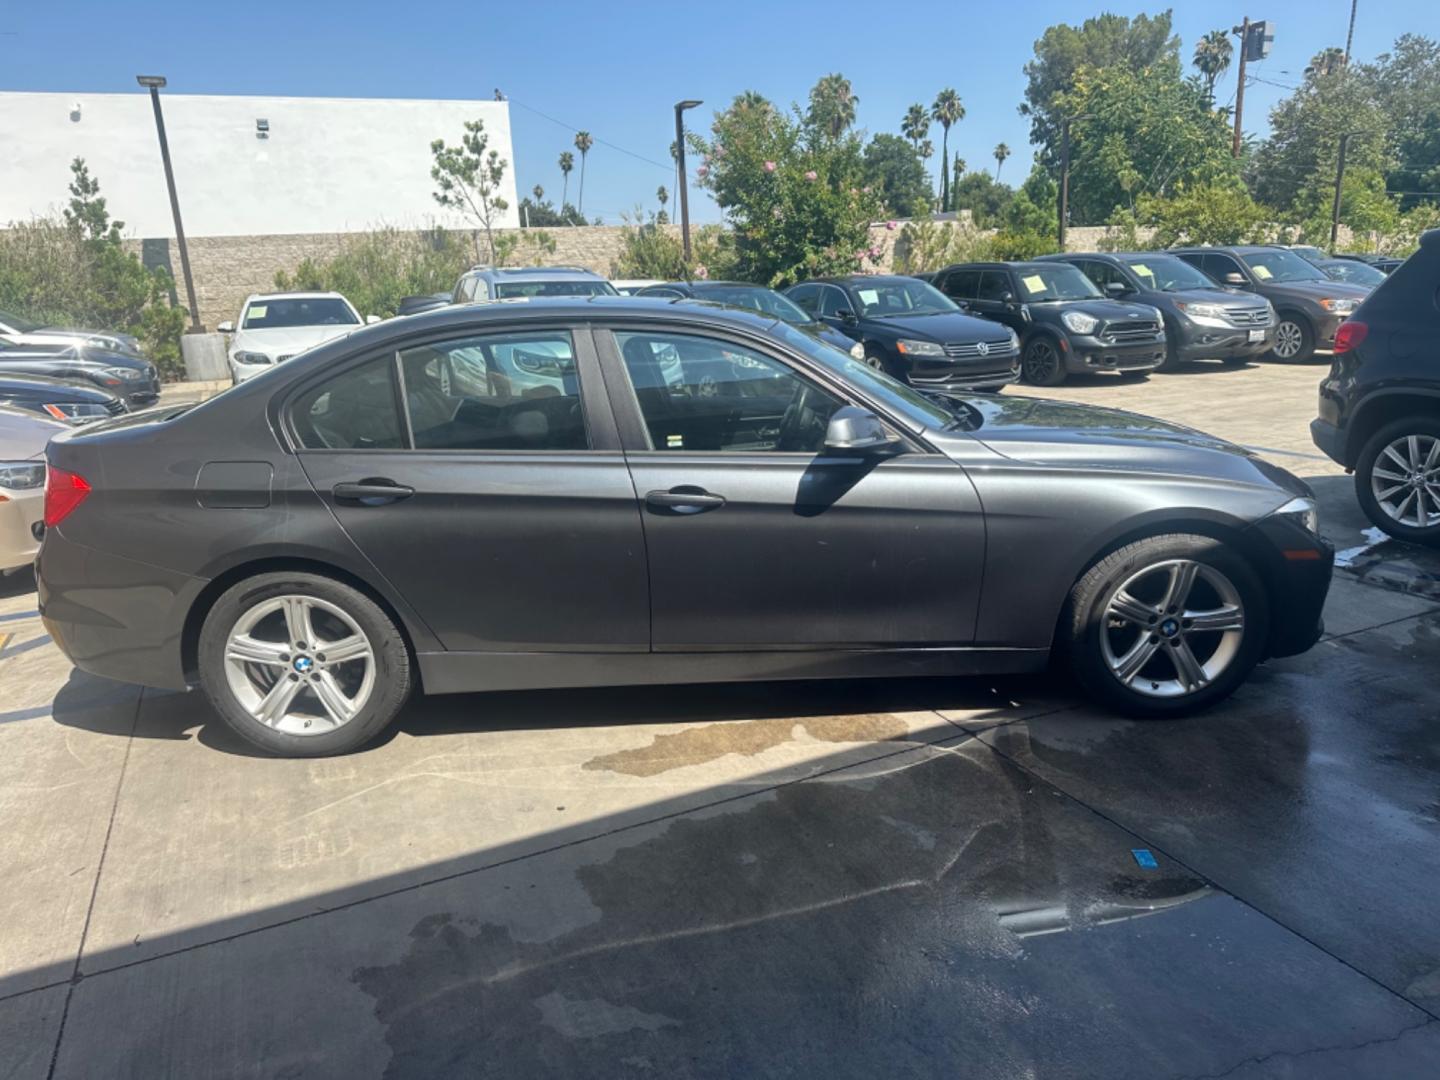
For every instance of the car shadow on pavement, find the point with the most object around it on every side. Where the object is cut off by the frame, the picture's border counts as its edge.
(17, 584)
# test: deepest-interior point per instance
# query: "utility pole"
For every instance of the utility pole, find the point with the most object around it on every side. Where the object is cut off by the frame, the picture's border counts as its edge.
(154, 83)
(1244, 31)
(680, 107)
(1064, 179)
(1339, 180)
(1350, 36)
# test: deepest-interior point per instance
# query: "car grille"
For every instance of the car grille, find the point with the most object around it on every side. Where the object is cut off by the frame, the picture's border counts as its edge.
(1248, 316)
(971, 349)
(1131, 331)
(115, 407)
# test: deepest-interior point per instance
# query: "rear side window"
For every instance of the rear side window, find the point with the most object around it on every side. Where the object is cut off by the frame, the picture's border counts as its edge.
(963, 284)
(357, 410)
(833, 301)
(806, 297)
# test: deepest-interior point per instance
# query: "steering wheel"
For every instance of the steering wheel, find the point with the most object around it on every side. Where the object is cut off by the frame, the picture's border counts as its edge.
(797, 426)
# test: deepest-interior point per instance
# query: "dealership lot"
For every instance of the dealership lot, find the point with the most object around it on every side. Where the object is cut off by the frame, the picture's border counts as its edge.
(925, 877)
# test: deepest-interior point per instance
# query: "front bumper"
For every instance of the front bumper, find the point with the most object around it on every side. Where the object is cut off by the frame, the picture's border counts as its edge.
(20, 511)
(958, 376)
(1085, 352)
(1194, 342)
(1300, 566)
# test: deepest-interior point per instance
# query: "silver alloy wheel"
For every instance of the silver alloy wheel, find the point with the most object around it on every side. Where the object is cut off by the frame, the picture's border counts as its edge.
(1289, 338)
(1155, 638)
(1405, 480)
(299, 664)
(873, 361)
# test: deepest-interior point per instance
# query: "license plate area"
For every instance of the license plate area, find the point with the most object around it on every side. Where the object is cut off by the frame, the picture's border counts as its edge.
(1257, 335)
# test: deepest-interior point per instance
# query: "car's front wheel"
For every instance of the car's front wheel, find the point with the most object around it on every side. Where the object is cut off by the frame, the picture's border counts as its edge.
(1166, 625)
(1397, 479)
(1042, 364)
(303, 665)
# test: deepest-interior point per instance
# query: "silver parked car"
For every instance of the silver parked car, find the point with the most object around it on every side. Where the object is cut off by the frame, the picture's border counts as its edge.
(23, 438)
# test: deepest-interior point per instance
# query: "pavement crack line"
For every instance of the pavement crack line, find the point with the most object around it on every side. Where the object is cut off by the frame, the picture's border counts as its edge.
(1207, 878)
(75, 974)
(1261, 1059)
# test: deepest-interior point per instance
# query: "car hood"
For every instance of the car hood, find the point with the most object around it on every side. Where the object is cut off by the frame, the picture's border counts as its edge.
(1087, 436)
(1316, 290)
(1107, 311)
(287, 340)
(1230, 297)
(24, 435)
(944, 326)
(827, 334)
(17, 387)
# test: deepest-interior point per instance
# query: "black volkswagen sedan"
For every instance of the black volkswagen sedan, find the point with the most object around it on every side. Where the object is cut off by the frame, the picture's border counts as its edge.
(581, 493)
(756, 298)
(907, 329)
(1066, 325)
(59, 399)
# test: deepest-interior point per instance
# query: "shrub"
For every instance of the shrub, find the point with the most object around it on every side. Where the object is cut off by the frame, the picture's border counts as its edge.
(929, 245)
(376, 270)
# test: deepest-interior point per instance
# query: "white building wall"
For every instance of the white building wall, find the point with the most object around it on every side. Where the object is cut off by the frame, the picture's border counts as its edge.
(327, 165)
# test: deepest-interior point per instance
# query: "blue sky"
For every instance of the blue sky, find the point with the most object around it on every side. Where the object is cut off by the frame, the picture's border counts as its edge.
(616, 69)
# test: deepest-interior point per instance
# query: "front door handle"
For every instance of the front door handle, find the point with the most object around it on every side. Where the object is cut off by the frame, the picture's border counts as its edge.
(685, 499)
(373, 491)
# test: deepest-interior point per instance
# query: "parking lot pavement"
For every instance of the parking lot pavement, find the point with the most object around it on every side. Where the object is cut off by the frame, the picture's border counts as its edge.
(924, 877)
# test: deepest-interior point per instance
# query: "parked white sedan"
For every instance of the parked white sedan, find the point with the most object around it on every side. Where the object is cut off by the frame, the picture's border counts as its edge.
(273, 327)
(23, 438)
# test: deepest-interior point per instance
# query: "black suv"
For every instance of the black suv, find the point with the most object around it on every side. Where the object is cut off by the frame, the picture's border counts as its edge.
(1065, 324)
(1308, 305)
(1380, 404)
(1202, 320)
(912, 332)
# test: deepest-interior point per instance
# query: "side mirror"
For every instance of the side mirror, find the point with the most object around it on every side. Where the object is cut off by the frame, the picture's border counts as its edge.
(371, 320)
(846, 316)
(1116, 288)
(854, 429)
(1236, 279)
(226, 327)
(1007, 297)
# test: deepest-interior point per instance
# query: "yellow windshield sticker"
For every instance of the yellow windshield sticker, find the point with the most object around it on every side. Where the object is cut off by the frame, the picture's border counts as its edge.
(1143, 270)
(1034, 283)
(1262, 272)
(257, 311)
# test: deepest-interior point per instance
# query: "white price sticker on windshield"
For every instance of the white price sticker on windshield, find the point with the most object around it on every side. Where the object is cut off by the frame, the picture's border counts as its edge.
(1262, 272)
(869, 296)
(257, 311)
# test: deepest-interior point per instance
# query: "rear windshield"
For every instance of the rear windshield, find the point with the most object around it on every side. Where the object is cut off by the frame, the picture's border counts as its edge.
(766, 301)
(296, 311)
(510, 290)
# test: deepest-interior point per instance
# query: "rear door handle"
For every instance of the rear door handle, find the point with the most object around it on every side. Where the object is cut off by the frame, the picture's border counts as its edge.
(685, 500)
(375, 491)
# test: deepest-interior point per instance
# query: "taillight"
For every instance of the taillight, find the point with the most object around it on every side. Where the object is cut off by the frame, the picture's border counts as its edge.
(1349, 335)
(64, 491)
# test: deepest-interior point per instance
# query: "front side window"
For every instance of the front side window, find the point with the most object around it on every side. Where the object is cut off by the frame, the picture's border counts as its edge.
(994, 286)
(833, 301)
(1219, 266)
(356, 410)
(270, 314)
(496, 392)
(806, 297)
(704, 394)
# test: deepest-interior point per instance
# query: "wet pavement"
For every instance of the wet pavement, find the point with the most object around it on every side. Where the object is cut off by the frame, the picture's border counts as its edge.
(915, 878)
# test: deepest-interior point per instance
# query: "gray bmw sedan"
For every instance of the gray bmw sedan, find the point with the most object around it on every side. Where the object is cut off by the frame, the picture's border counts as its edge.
(595, 492)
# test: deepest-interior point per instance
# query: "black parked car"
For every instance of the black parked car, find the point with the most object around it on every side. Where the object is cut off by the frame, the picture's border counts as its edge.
(413, 305)
(1380, 404)
(59, 399)
(1352, 271)
(1386, 264)
(1308, 305)
(756, 298)
(1065, 324)
(130, 377)
(910, 331)
(606, 491)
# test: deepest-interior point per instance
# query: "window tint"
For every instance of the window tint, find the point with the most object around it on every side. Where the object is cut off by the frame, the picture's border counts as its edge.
(658, 290)
(806, 297)
(698, 393)
(1217, 266)
(833, 301)
(511, 290)
(994, 284)
(356, 410)
(963, 284)
(270, 314)
(499, 392)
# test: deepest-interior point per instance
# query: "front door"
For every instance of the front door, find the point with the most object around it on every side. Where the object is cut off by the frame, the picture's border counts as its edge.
(996, 299)
(482, 476)
(757, 538)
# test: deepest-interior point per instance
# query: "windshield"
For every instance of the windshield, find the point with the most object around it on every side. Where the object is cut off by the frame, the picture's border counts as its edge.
(16, 323)
(1278, 264)
(509, 290)
(1042, 284)
(766, 301)
(896, 395)
(885, 297)
(1357, 273)
(1168, 274)
(298, 311)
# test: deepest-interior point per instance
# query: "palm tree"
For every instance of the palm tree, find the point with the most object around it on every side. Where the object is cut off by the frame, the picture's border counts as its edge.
(1327, 62)
(832, 105)
(567, 162)
(1001, 153)
(1212, 57)
(538, 192)
(958, 169)
(947, 110)
(583, 142)
(664, 196)
(916, 125)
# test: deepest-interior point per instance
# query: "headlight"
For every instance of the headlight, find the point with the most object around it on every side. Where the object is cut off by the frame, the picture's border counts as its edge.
(22, 475)
(73, 413)
(920, 348)
(1014, 340)
(252, 358)
(129, 374)
(1079, 322)
(1210, 311)
(1339, 307)
(1304, 512)
(857, 351)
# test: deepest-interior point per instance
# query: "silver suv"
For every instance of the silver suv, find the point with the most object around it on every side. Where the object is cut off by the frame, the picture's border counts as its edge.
(513, 283)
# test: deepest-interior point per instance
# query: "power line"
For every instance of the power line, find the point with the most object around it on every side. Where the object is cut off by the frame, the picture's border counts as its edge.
(602, 142)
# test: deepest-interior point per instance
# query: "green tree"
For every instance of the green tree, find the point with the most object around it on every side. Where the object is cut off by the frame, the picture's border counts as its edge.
(1001, 153)
(1216, 213)
(1406, 86)
(895, 171)
(832, 106)
(916, 125)
(664, 196)
(1326, 63)
(1104, 41)
(1029, 223)
(468, 178)
(545, 215)
(567, 162)
(376, 270)
(946, 111)
(1212, 58)
(583, 142)
(985, 198)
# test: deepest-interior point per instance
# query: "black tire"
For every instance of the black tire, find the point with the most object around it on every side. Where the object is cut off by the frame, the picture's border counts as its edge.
(1172, 359)
(1235, 361)
(1084, 626)
(874, 358)
(391, 658)
(1302, 335)
(1042, 363)
(1425, 428)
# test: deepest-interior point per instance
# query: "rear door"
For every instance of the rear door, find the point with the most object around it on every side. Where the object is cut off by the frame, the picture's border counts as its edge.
(482, 475)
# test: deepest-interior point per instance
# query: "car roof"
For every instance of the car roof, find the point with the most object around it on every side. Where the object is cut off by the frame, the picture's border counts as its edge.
(853, 279)
(552, 272)
(295, 296)
(569, 307)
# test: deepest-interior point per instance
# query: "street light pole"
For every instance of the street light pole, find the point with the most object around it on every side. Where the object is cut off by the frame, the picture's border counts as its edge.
(680, 107)
(154, 83)
(1244, 31)
(1339, 181)
(1064, 179)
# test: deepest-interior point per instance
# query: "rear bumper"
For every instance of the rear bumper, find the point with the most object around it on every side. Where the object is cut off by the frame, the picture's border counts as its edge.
(129, 628)
(19, 512)
(1329, 439)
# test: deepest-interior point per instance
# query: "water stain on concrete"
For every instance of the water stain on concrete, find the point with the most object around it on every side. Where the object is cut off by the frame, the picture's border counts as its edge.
(709, 742)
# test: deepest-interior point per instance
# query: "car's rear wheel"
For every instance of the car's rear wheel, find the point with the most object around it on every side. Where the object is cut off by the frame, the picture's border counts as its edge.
(1042, 364)
(1166, 625)
(302, 665)
(1397, 479)
(1294, 340)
